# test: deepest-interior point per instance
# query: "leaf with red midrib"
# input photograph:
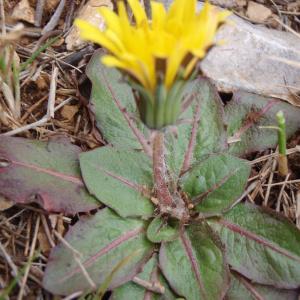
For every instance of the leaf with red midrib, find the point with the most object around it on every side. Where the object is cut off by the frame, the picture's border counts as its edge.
(45, 173)
(262, 246)
(114, 106)
(201, 129)
(103, 241)
(215, 183)
(121, 179)
(194, 264)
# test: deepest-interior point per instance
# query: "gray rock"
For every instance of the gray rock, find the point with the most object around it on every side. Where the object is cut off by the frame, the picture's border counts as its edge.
(255, 59)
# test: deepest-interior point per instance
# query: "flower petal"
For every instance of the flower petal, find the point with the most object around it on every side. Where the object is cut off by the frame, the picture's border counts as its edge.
(93, 34)
(138, 12)
(112, 20)
(173, 65)
(158, 15)
(112, 61)
(168, 37)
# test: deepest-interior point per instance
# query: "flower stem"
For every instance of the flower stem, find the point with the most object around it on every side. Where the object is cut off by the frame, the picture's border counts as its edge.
(282, 159)
(160, 173)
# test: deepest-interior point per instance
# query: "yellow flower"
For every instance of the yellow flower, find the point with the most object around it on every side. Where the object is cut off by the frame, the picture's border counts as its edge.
(158, 54)
(159, 50)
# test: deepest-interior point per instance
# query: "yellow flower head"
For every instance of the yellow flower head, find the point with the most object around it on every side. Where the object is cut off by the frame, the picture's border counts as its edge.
(158, 50)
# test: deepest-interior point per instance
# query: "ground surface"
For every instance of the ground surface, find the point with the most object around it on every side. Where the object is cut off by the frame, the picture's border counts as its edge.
(24, 229)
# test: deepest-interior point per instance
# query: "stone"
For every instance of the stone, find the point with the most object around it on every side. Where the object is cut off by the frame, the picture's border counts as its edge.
(257, 12)
(90, 13)
(23, 12)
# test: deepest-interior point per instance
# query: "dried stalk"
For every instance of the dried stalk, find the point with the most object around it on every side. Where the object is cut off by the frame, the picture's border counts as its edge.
(55, 18)
(31, 253)
(52, 93)
(39, 13)
(155, 287)
(77, 257)
(38, 123)
(2, 13)
(10, 263)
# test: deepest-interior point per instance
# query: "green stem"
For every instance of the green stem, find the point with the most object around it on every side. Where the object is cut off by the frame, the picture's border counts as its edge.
(281, 132)
(159, 111)
(282, 159)
(172, 103)
(35, 54)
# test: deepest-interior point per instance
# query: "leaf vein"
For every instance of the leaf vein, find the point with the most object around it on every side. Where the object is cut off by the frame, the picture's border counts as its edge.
(189, 251)
(250, 235)
(114, 244)
(65, 177)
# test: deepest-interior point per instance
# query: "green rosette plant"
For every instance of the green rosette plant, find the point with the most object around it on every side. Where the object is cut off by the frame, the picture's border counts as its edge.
(209, 246)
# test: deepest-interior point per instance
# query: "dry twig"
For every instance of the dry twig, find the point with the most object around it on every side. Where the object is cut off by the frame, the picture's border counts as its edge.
(55, 18)
(77, 255)
(31, 254)
(39, 13)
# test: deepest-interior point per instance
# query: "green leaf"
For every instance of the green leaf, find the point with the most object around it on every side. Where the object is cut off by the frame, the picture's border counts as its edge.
(111, 95)
(46, 173)
(206, 116)
(211, 134)
(120, 179)
(103, 242)
(241, 288)
(134, 291)
(162, 230)
(261, 246)
(194, 264)
(105, 284)
(216, 182)
(246, 112)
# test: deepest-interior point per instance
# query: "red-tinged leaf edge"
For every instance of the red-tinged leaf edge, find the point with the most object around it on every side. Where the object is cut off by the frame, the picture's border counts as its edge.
(13, 164)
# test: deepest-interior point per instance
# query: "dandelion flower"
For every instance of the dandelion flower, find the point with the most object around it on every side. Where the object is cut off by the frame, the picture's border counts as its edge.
(159, 54)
